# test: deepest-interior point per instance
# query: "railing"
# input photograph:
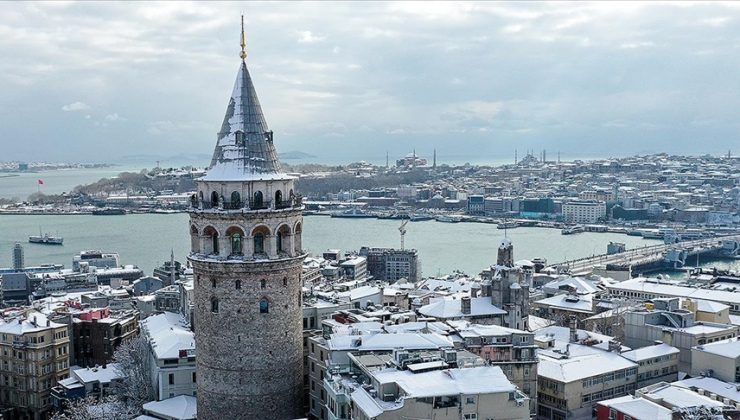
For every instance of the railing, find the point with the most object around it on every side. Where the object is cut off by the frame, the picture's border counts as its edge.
(290, 203)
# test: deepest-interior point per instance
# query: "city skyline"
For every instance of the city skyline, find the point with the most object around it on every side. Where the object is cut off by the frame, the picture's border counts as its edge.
(356, 80)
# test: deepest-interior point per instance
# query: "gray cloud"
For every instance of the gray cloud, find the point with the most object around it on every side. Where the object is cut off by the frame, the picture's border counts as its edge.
(352, 80)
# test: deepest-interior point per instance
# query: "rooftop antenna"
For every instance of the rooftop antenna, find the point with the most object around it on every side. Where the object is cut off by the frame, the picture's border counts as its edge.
(402, 229)
(243, 43)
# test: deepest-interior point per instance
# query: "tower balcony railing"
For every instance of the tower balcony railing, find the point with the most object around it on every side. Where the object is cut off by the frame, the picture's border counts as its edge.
(295, 202)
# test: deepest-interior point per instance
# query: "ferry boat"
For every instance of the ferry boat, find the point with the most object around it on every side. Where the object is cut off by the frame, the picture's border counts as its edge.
(109, 211)
(447, 219)
(45, 239)
(507, 225)
(354, 212)
(421, 217)
(571, 230)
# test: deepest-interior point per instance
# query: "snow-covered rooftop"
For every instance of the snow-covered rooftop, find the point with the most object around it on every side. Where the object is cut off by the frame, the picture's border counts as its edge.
(469, 381)
(451, 308)
(649, 352)
(168, 333)
(729, 348)
(182, 407)
(638, 408)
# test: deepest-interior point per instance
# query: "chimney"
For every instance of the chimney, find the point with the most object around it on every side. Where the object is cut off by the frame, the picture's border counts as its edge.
(615, 346)
(573, 329)
(465, 305)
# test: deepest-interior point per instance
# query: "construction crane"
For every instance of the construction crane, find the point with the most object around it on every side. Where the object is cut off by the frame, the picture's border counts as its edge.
(402, 229)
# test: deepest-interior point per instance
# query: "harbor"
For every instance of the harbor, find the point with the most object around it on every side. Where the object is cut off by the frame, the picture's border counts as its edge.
(144, 239)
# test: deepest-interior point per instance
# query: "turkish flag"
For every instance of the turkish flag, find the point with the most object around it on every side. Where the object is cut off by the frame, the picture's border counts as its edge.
(41, 182)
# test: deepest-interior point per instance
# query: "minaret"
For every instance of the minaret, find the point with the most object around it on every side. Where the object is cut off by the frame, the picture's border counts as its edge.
(172, 267)
(434, 159)
(245, 227)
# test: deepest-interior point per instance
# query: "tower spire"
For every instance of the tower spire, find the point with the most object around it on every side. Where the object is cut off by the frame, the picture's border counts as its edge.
(243, 43)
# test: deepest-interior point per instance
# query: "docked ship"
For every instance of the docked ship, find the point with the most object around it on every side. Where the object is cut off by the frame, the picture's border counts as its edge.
(448, 219)
(109, 211)
(354, 212)
(420, 217)
(45, 239)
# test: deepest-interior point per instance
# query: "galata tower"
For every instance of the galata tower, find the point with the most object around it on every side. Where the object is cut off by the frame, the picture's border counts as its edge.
(245, 229)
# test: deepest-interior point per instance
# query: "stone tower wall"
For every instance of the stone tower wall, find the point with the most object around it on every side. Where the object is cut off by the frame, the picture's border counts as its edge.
(249, 363)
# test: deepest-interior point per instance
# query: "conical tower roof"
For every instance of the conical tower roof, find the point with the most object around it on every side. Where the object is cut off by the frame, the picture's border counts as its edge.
(244, 149)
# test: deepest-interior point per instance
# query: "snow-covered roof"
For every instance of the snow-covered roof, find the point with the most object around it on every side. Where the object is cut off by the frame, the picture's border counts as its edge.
(450, 308)
(649, 352)
(182, 407)
(168, 333)
(33, 322)
(574, 303)
(582, 362)
(366, 403)
(729, 348)
(377, 342)
(709, 306)
(678, 397)
(638, 408)
(724, 389)
(244, 149)
(100, 374)
(469, 381)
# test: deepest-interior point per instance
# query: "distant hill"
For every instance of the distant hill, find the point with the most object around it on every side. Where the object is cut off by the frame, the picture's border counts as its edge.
(296, 154)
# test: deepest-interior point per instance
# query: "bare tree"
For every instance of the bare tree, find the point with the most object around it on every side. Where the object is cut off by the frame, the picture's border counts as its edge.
(133, 363)
(92, 408)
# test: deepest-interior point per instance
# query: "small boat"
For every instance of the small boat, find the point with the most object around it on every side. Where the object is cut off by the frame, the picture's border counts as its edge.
(354, 212)
(109, 211)
(507, 225)
(421, 217)
(45, 239)
(570, 230)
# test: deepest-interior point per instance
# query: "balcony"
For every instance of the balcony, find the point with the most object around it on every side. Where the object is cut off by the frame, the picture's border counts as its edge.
(295, 202)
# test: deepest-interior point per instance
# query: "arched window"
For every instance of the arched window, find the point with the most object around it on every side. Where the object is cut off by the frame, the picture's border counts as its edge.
(278, 199)
(214, 199)
(282, 234)
(258, 201)
(264, 306)
(260, 235)
(238, 284)
(214, 239)
(213, 282)
(259, 243)
(211, 244)
(214, 305)
(263, 283)
(285, 281)
(236, 244)
(236, 236)
(236, 200)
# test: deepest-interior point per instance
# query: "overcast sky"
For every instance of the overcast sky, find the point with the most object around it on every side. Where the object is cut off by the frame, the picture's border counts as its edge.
(95, 82)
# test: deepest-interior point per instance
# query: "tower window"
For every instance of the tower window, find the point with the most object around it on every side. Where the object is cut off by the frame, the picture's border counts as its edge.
(213, 282)
(264, 306)
(285, 281)
(259, 243)
(263, 283)
(278, 198)
(214, 199)
(214, 305)
(214, 239)
(258, 200)
(238, 284)
(236, 244)
(236, 200)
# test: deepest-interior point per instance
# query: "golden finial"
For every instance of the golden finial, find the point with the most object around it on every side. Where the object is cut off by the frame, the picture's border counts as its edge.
(243, 54)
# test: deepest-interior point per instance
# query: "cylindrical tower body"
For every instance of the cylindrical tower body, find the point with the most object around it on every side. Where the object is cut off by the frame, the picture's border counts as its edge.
(246, 253)
(248, 313)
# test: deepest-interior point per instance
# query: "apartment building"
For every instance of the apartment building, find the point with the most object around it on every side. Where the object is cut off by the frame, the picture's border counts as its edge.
(584, 211)
(34, 355)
